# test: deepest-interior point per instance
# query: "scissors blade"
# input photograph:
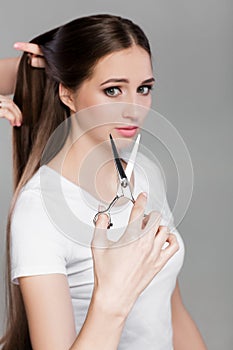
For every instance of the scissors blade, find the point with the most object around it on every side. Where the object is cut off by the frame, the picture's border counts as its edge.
(132, 158)
(117, 160)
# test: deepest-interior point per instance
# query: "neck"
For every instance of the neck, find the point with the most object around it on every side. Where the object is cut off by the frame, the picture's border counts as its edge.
(88, 164)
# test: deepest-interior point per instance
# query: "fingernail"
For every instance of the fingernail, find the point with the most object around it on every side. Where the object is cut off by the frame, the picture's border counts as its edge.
(144, 194)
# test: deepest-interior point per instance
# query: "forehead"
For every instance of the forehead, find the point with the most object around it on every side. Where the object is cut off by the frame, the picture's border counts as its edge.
(128, 62)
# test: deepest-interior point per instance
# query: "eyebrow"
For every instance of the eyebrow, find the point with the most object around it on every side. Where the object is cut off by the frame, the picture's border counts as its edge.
(115, 80)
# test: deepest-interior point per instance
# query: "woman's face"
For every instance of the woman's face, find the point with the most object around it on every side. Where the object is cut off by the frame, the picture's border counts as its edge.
(117, 95)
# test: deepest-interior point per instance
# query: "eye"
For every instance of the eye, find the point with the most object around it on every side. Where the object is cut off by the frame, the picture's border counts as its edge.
(145, 89)
(112, 91)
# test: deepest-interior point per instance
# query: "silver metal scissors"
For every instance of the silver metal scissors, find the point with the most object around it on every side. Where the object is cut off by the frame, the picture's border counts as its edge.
(124, 189)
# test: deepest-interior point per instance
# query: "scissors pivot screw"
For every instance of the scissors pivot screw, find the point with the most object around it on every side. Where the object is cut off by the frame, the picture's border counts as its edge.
(124, 183)
(124, 177)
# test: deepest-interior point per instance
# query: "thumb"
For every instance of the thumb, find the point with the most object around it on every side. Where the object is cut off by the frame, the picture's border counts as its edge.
(100, 239)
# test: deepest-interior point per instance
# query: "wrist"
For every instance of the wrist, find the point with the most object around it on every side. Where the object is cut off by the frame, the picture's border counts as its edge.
(109, 305)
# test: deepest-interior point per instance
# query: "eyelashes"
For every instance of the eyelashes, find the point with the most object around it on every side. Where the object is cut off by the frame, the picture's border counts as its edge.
(144, 88)
(114, 91)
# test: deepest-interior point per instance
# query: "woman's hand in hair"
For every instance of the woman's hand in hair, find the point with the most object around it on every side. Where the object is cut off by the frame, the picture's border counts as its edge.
(123, 270)
(34, 52)
(9, 66)
(10, 111)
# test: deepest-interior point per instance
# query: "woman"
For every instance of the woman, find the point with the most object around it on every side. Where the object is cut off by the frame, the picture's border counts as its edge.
(65, 295)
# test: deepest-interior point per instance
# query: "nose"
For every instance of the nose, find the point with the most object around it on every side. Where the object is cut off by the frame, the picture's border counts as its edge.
(130, 110)
(134, 113)
(130, 106)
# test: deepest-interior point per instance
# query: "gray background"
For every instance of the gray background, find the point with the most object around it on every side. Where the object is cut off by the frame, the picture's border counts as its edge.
(193, 55)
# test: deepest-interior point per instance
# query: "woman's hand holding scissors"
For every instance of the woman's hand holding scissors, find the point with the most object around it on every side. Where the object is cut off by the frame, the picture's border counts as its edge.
(122, 272)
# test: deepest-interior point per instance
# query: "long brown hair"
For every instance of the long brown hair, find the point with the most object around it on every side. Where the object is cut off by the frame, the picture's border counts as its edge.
(71, 53)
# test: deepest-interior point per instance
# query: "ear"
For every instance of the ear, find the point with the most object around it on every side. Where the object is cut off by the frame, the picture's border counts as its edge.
(67, 97)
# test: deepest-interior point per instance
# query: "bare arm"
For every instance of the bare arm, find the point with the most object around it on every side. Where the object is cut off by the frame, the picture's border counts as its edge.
(9, 66)
(8, 71)
(49, 311)
(185, 331)
(51, 320)
(102, 328)
(116, 287)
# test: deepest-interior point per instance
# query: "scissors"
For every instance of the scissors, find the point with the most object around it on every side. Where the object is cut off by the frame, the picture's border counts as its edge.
(124, 189)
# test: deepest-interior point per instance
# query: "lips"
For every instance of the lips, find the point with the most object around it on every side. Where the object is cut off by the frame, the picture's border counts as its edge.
(128, 131)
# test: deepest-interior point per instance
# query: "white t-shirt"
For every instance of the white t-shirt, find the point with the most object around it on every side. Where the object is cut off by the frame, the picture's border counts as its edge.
(50, 233)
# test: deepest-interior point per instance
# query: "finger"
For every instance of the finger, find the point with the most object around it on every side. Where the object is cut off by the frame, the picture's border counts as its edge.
(5, 113)
(134, 228)
(28, 47)
(18, 115)
(4, 98)
(102, 221)
(171, 249)
(37, 61)
(9, 104)
(145, 220)
(162, 229)
(138, 209)
(137, 221)
(10, 111)
(100, 239)
(161, 236)
(152, 223)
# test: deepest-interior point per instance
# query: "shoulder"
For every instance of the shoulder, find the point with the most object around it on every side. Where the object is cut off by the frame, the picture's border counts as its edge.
(31, 196)
(37, 246)
(30, 217)
(28, 204)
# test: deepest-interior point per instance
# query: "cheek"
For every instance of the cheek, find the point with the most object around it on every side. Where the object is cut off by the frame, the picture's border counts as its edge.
(88, 99)
(145, 101)
(100, 135)
(96, 119)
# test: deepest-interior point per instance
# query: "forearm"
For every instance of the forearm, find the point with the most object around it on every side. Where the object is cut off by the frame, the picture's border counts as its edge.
(185, 333)
(8, 72)
(101, 330)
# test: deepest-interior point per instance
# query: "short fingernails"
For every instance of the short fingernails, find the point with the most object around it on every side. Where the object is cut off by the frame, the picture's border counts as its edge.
(102, 221)
(102, 217)
(18, 45)
(142, 195)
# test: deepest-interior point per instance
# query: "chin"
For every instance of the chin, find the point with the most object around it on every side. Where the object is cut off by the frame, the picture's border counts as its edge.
(122, 142)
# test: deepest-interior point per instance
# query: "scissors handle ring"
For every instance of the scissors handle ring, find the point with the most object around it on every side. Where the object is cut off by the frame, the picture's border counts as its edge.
(105, 212)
